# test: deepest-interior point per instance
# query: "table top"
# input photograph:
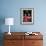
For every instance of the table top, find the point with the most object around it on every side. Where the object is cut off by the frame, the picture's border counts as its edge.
(22, 35)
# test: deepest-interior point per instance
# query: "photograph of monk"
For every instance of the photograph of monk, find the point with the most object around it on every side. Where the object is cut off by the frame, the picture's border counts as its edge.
(27, 15)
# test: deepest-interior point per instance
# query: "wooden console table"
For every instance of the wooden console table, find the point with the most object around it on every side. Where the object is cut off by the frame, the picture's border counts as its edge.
(20, 39)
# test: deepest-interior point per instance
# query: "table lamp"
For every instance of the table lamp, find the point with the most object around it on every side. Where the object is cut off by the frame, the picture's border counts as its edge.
(9, 21)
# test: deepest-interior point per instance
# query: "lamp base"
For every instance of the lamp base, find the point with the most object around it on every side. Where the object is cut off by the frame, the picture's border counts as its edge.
(9, 33)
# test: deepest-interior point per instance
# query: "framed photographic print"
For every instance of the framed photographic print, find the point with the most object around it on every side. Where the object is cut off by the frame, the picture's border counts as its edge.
(27, 15)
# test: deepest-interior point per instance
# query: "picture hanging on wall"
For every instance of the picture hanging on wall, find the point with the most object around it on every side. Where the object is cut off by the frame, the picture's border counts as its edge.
(26, 15)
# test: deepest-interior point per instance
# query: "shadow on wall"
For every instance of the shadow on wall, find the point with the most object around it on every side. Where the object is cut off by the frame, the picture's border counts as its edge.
(2, 21)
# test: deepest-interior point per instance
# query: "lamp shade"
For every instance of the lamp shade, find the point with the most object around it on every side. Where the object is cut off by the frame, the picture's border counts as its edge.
(9, 21)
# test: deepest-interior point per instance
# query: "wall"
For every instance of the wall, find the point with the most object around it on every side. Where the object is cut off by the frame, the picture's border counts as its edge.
(11, 8)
